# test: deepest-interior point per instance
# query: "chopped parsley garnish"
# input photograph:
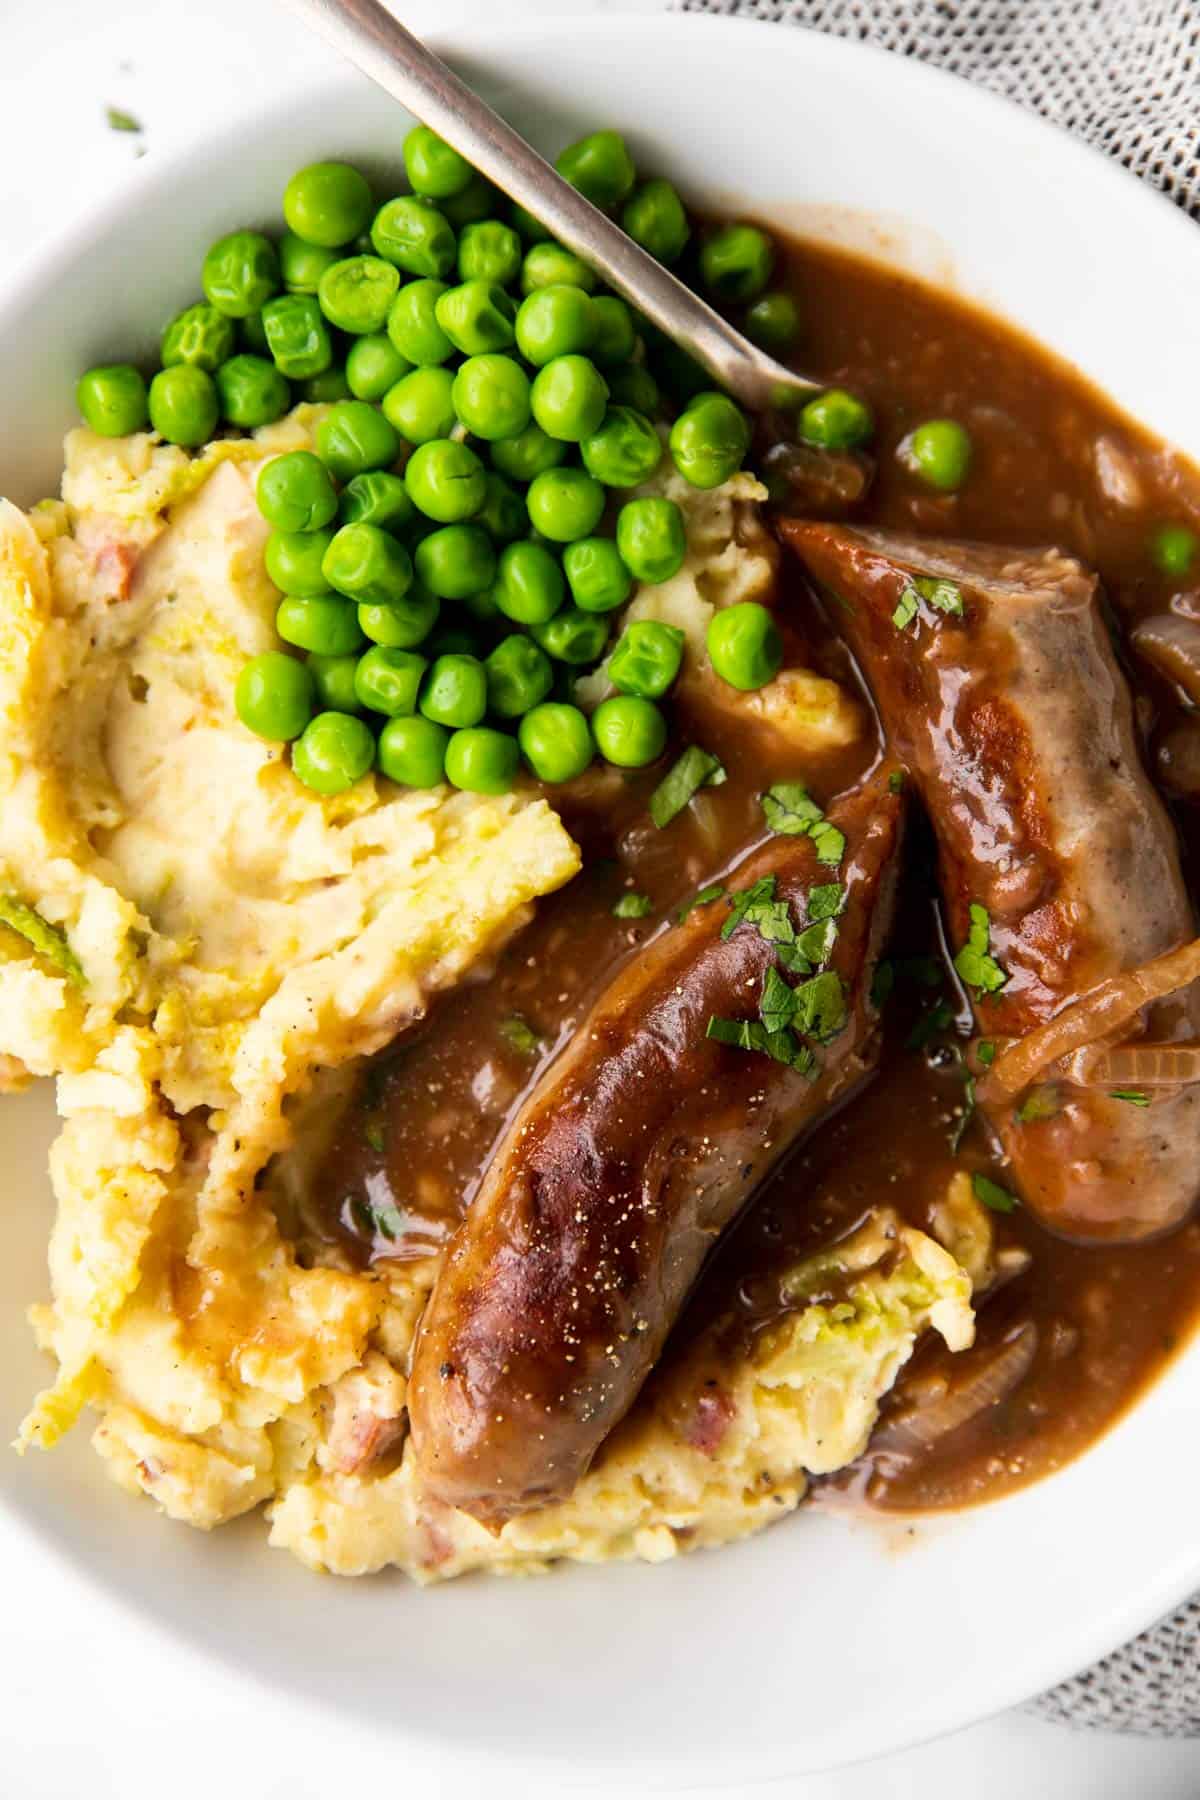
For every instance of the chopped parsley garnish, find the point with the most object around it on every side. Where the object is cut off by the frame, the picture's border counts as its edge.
(977, 968)
(934, 1019)
(633, 906)
(384, 1221)
(985, 1050)
(820, 1006)
(1134, 1096)
(45, 938)
(119, 120)
(373, 1133)
(749, 906)
(882, 983)
(777, 1002)
(830, 842)
(750, 1034)
(896, 781)
(790, 811)
(959, 1128)
(704, 898)
(992, 1195)
(695, 769)
(792, 958)
(816, 941)
(826, 901)
(1040, 1102)
(520, 1034)
(943, 596)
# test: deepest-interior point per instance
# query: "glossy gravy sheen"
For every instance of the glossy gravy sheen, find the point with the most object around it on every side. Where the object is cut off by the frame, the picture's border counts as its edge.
(1053, 463)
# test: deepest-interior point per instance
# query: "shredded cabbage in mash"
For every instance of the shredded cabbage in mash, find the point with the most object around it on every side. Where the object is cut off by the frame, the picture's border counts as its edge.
(188, 936)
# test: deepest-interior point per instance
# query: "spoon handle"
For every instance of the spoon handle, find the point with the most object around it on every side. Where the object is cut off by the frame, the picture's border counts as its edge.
(368, 35)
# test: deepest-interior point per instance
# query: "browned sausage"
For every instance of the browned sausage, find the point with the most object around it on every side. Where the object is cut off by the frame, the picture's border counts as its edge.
(635, 1151)
(1017, 725)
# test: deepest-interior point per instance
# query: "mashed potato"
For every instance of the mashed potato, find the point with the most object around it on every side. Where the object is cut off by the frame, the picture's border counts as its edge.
(188, 937)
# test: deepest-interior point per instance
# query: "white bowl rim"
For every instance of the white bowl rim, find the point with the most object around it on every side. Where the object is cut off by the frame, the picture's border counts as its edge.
(1061, 1654)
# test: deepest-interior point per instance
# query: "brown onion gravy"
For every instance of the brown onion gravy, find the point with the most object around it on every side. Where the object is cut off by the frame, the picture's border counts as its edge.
(1053, 462)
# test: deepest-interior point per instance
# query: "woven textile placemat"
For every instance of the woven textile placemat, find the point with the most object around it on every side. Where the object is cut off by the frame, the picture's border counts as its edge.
(1125, 75)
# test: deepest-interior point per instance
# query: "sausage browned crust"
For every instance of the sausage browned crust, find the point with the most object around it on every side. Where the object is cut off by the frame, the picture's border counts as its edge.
(637, 1148)
(1017, 725)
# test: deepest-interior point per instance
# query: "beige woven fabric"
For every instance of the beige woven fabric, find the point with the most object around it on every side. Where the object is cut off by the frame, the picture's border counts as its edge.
(1125, 75)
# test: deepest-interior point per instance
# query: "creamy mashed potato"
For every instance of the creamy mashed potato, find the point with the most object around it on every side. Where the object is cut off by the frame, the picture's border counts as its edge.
(189, 938)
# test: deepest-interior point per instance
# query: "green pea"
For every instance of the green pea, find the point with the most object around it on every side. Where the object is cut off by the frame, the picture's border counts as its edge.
(454, 692)
(744, 645)
(354, 438)
(456, 561)
(939, 452)
(836, 420)
(302, 265)
(297, 336)
(326, 389)
(531, 229)
(573, 636)
(327, 203)
(334, 752)
(294, 561)
(294, 492)
(321, 623)
(274, 697)
(601, 167)
(421, 405)
(412, 323)
(651, 539)
(446, 480)
(252, 334)
(633, 385)
(629, 732)
(654, 217)
(112, 400)
(625, 450)
(615, 338)
(388, 681)
(413, 752)
(709, 440)
(333, 679)
(773, 323)
(432, 167)
(550, 265)
(377, 498)
(555, 741)
(647, 659)
(241, 272)
(356, 293)
(482, 761)
(404, 623)
(477, 316)
(368, 565)
(183, 405)
(598, 579)
(565, 504)
(411, 233)
(569, 397)
(529, 586)
(489, 251)
(519, 675)
(1173, 549)
(491, 396)
(478, 200)
(373, 366)
(555, 321)
(252, 392)
(736, 262)
(528, 454)
(503, 514)
(199, 335)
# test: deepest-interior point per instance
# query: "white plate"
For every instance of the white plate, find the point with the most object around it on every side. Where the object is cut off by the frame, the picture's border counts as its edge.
(817, 1643)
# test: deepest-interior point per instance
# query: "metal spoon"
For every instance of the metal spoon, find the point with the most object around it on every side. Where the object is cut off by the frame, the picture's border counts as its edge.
(367, 34)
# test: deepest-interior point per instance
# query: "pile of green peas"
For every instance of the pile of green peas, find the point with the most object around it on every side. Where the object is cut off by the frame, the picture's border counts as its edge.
(451, 551)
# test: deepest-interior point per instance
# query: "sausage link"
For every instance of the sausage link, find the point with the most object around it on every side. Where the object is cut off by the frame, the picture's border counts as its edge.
(1017, 725)
(637, 1148)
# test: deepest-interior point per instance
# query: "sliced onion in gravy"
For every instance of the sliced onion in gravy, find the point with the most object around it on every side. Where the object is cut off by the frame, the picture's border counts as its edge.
(1171, 645)
(975, 1380)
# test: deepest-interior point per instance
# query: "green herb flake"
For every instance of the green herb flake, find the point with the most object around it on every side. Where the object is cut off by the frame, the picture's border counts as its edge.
(519, 1033)
(826, 901)
(985, 1050)
(777, 1002)
(757, 906)
(896, 781)
(975, 966)
(816, 941)
(1040, 1102)
(373, 1134)
(119, 120)
(992, 1195)
(907, 607)
(830, 842)
(935, 1019)
(695, 769)
(943, 596)
(751, 1034)
(633, 906)
(790, 810)
(1134, 1096)
(820, 1006)
(705, 897)
(959, 1129)
(43, 937)
(792, 958)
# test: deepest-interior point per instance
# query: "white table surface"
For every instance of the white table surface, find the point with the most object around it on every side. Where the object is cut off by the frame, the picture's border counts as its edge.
(93, 1703)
